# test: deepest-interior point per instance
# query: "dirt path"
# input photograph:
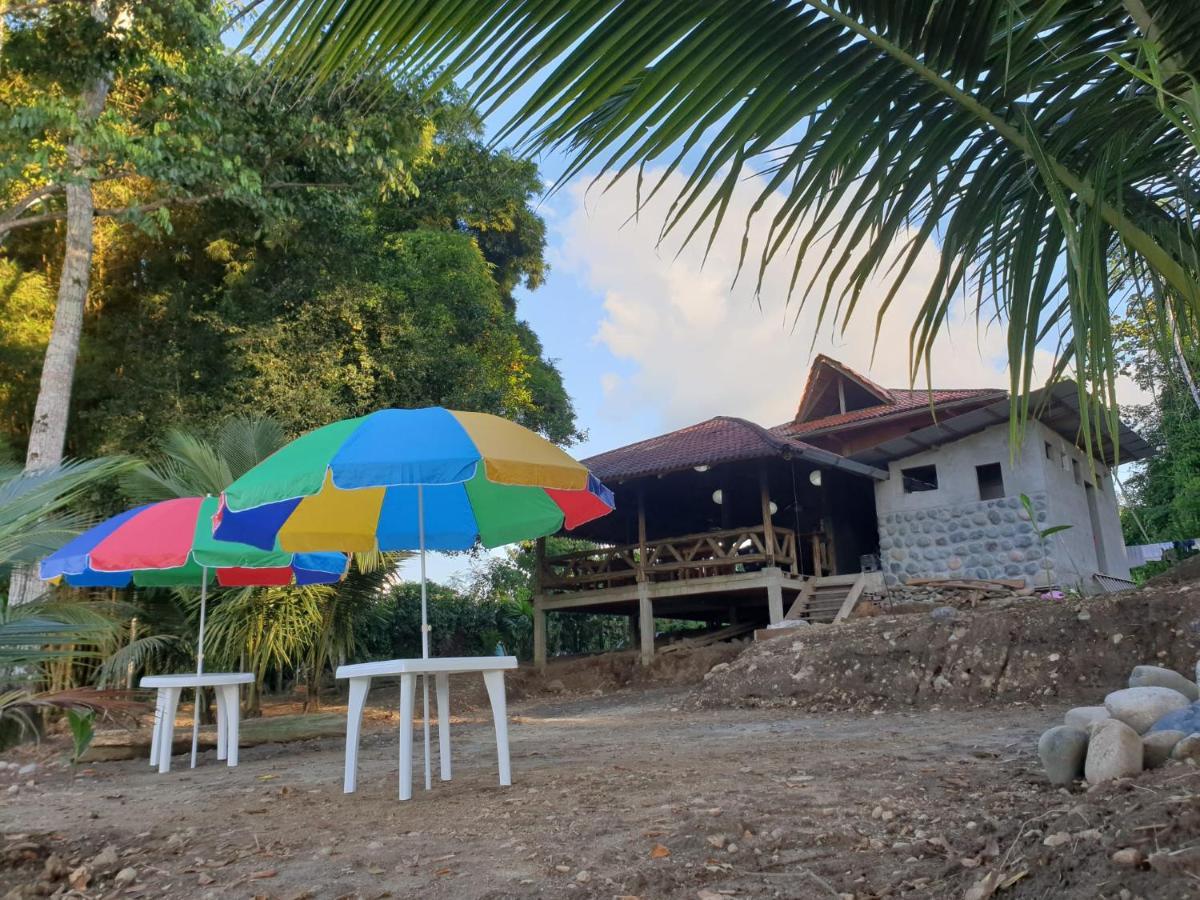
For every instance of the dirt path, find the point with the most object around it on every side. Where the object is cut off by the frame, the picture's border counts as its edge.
(748, 803)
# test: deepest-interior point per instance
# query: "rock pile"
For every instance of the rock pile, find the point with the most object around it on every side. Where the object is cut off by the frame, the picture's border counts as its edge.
(1154, 720)
(920, 595)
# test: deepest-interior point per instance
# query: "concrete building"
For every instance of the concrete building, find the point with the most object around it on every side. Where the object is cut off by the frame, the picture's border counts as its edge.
(735, 524)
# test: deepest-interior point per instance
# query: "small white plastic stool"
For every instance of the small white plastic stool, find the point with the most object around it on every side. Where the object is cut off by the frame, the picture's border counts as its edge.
(360, 675)
(167, 704)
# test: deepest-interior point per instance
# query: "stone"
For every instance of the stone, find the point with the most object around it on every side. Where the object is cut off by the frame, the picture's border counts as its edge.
(1084, 717)
(556, 686)
(1057, 839)
(126, 876)
(716, 840)
(944, 614)
(1157, 747)
(27, 769)
(1114, 751)
(1157, 676)
(106, 860)
(1142, 707)
(583, 876)
(1186, 720)
(1188, 748)
(1128, 856)
(1062, 751)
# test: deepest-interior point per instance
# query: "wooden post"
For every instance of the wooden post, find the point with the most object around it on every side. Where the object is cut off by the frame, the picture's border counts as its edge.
(641, 513)
(539, 614)
(645, 623)
(816, 554)
(768, 526)
(539, 635)
(774, 595)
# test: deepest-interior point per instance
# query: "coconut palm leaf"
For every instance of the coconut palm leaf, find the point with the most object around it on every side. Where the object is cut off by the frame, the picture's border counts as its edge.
(1009, 135)
(35, 507)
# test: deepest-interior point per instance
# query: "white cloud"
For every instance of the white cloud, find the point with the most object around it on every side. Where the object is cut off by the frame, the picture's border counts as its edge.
(700, 347)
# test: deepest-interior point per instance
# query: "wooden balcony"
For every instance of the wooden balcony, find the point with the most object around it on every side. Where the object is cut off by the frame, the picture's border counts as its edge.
(672, 559)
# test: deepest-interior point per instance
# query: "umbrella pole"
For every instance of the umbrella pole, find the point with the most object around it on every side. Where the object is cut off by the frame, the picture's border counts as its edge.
(199, 662)
(424, 631)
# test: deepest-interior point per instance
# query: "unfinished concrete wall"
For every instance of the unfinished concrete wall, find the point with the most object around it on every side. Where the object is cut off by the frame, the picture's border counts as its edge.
(1083, 549)
(951, 531)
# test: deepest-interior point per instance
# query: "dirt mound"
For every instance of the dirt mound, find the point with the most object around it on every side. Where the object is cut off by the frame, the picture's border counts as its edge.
(1025, 650)
(610, 671)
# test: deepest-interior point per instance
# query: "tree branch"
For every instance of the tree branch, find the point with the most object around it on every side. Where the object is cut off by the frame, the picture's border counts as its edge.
(31, 199)
(8, 225)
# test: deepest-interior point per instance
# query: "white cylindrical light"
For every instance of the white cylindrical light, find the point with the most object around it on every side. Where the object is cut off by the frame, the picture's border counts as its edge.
(814, 477)
(718, 497)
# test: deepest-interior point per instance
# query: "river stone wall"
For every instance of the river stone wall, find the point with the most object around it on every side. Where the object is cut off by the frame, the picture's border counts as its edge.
(983, 539)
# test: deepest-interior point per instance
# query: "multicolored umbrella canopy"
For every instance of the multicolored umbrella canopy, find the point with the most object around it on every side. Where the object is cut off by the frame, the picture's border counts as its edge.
(170, 543)
(353, 486)
(411, 479)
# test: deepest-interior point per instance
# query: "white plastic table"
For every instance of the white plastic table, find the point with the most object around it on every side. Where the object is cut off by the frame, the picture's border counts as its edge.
(360, 675)
(170, 687)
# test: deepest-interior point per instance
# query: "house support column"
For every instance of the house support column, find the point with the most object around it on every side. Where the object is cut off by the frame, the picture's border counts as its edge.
(774, 594)
(645, 623)
(539, 635)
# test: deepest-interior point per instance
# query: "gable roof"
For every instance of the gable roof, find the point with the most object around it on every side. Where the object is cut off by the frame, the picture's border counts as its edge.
(823, 371)
(722, 439)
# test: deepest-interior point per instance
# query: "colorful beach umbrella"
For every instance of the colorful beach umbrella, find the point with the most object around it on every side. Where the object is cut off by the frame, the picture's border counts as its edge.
(411, 479)
(170, 544)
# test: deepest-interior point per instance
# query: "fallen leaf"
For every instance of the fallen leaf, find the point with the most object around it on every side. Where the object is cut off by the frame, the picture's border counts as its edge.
(265, 873)
(983, 888)
(443, 872)
(1013, 879)
(267, 777)
(653, 833)
(205, 880)
(659, 852)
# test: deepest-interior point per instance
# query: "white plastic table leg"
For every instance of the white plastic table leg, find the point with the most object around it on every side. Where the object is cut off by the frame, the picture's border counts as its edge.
(222, 736)
(156, 731)
(442, 681)
(408, 692)
(494, 682)
(354, 710)
(167, 736)
(233, 712)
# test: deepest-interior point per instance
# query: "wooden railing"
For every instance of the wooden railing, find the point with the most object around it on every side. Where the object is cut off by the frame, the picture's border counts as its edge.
(672, 559)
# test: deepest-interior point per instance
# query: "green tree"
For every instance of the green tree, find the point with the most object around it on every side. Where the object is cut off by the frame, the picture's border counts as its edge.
(120, 111)
(1162, 495)
(1027, 139)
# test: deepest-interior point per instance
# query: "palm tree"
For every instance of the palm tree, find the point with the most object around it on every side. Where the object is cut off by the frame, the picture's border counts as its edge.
(1045, 148)
(42, 640)
(262, 629)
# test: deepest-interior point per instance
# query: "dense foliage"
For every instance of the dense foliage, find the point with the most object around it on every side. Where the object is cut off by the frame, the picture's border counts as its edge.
(259, 248)
(1162, 495)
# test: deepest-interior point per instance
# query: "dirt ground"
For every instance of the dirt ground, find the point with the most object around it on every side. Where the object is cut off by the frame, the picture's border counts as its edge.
(885, 757)
(632, 794)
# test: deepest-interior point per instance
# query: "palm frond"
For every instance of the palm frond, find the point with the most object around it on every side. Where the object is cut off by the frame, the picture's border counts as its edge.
(35, 514)
(1001, 133)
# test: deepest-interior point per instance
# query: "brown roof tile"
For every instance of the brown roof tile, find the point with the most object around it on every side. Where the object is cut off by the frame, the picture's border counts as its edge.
(903, 402)
(722, 439)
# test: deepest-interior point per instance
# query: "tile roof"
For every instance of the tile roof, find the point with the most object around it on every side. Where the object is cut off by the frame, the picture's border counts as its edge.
(722, 439)
(904, 401)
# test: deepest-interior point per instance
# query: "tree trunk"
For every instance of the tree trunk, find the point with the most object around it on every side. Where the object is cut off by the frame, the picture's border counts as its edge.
(48, 433)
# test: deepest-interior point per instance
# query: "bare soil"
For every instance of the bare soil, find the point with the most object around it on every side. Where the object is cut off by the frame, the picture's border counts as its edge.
(887, 757)
(1023, 650)
(647, 796)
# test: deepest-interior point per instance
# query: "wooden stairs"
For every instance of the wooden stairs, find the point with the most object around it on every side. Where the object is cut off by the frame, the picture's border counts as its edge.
(831, 598)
